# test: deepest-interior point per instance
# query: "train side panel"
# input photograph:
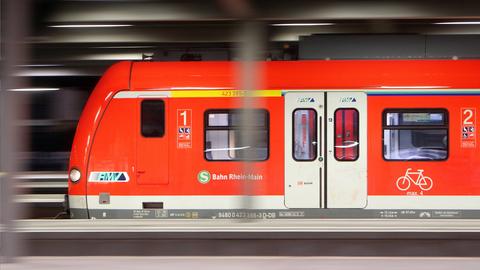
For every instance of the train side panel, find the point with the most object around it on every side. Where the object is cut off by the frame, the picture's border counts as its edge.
(455, 177)
(422, 145)
(115, 153)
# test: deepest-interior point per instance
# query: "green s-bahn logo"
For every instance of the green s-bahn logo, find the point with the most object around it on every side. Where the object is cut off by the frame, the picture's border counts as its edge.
(203, 177)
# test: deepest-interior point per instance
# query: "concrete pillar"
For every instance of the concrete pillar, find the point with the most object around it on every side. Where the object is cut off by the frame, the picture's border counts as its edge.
(251, 50)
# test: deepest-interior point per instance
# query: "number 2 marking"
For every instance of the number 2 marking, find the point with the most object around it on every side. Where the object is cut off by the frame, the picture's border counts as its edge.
(468, 119)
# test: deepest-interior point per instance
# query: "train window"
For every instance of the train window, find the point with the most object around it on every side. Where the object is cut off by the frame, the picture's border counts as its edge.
(152, 118)
(255, 118)
(415, 134)
(225, 137)
(415, 118)
(305, 134)
(346, 135)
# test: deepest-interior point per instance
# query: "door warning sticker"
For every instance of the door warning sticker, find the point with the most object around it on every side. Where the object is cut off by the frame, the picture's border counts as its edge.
(184, 128)
(468, 128)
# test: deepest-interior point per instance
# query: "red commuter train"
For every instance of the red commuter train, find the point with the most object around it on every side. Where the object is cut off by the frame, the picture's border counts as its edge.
(349, 138)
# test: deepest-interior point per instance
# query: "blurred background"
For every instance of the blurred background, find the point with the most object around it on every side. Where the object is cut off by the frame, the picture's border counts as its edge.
(68, 44)
(54, 52)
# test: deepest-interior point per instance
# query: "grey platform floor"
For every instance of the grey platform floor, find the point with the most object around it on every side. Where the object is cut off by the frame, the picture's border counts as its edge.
(242, 263)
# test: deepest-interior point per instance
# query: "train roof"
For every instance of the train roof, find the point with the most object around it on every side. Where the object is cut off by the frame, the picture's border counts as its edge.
(324, 74)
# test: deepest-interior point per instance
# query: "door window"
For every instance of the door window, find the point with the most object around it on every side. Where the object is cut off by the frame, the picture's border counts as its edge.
(152, 118)
(346, 135)
(305, 135)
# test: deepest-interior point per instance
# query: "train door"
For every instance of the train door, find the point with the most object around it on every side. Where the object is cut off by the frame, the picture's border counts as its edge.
(325, 154)
(152, 142)
(346, 144)
(304, 161)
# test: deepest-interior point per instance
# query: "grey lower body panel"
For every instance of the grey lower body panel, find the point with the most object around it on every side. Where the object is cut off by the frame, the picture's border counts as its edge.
(273, 214)
(78, 213)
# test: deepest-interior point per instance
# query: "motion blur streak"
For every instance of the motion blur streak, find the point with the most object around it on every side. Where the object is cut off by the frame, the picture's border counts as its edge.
(14, 23)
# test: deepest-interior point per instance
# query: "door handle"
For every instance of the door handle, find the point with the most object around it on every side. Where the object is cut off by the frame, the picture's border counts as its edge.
(319, 141)
(141, 172)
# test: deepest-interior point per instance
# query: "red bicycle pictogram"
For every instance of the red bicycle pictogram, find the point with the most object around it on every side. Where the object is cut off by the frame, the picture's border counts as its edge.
(423, 182)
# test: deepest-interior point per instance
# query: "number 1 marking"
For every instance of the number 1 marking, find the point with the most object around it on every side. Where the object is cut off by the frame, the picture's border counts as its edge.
(184, 114)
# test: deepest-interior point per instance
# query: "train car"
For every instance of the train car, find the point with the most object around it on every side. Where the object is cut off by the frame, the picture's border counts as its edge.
(321, 139)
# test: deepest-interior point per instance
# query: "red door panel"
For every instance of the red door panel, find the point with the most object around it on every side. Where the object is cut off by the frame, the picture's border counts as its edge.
(152, 142)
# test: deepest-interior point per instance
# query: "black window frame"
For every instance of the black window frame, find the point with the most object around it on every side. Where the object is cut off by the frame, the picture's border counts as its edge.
(206, 128)
(164, 118)
(445, 126)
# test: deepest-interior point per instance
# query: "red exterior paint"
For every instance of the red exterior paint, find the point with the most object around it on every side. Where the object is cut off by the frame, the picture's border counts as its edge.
(115, 147)
(458, 175)
(346, 74)
(114, 150)
(152, 159)
(116, 78)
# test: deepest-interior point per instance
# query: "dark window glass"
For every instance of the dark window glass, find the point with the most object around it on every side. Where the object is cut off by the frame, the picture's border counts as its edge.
(305, 139)
(415, 135)
(153, 118)
(226, 139)
(346, 134)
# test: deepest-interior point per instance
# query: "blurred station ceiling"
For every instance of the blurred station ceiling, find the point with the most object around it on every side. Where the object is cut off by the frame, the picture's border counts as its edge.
(81, 37)
(70, 39)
